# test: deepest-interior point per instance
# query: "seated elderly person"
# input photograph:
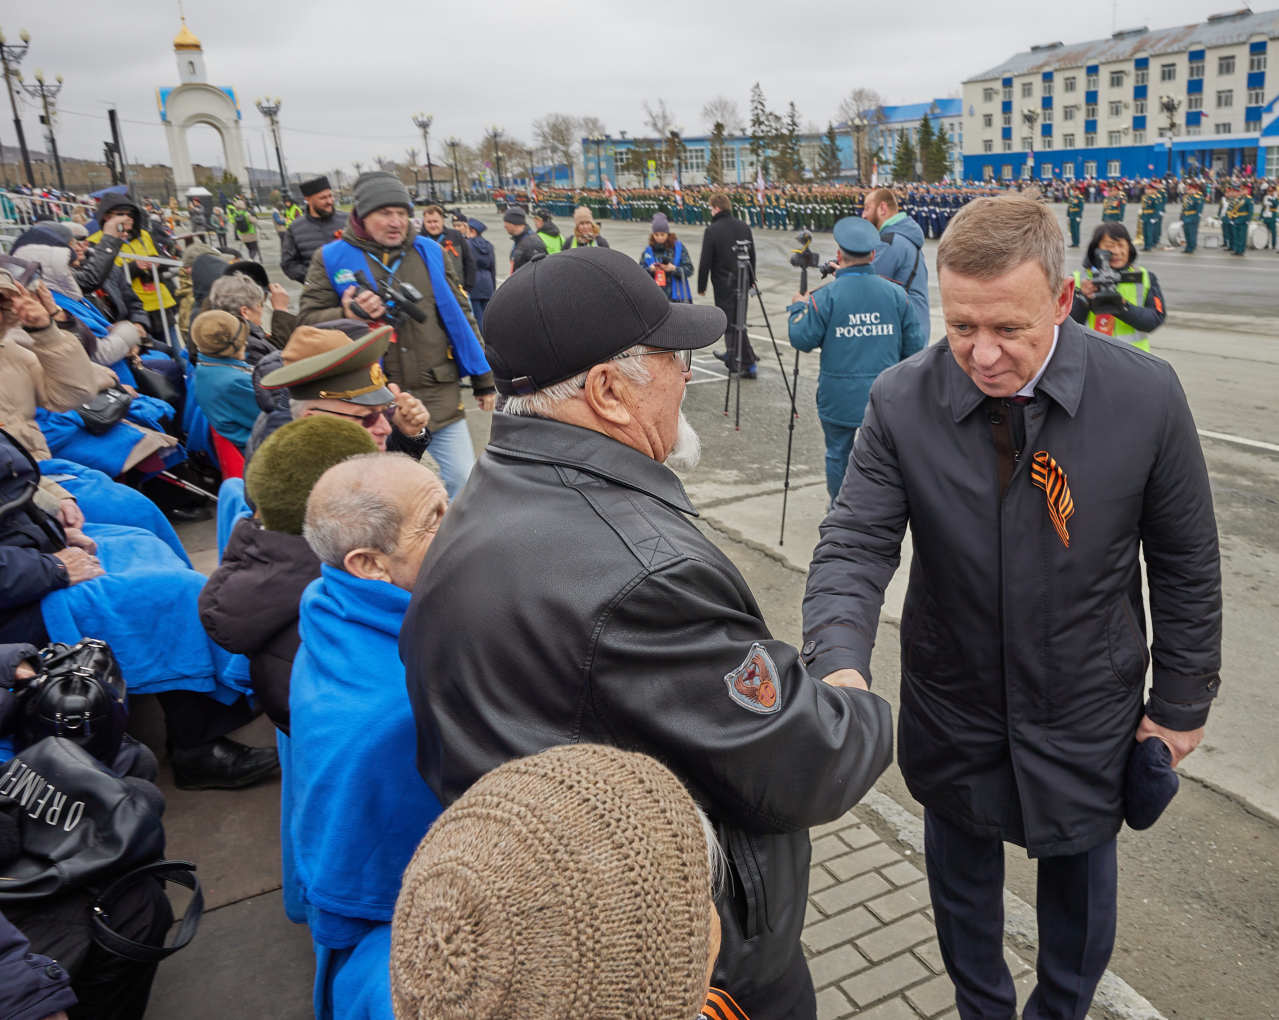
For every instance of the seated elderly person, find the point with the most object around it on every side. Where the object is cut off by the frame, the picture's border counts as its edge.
(527, 890)
(239, 293)
(128, 588)
(353, 807)
(250, 605)
(223, 379)
(337, 372)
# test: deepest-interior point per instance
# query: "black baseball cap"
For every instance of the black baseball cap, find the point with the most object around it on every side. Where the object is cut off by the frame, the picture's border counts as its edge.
(559, 315)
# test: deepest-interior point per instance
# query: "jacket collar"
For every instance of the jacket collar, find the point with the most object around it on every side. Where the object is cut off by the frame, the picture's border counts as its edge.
(1063, 379)
(544, 441)
(865, 270)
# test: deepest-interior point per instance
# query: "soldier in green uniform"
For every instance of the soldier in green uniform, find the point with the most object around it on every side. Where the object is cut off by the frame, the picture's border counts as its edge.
(1192, 204)
(1270, 214)
(1075, 213)
(1240, 215)
(1150, 218)
(1112, 211)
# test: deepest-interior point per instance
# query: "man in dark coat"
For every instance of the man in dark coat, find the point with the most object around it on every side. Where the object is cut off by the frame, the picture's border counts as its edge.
(1033, 460)
(718, 263)
(620, 622)
(526, 243)
(456, 250)
(309, 233)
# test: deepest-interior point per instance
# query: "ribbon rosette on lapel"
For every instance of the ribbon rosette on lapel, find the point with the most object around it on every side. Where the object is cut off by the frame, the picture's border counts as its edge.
(1046, 474)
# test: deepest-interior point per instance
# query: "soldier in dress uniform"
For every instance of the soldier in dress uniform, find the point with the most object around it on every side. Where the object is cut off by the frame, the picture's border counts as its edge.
(1239, 214)
(1150, 219)
(1192, 204)
(1112, 211)
(1075, 213)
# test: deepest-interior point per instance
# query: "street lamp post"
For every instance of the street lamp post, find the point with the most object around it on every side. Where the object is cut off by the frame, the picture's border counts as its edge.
(44, 92)
(1170, 106)
(423, 122)
(11, 56)
(270, 109)
(453, 143)
(1030, 117)
(495, 133)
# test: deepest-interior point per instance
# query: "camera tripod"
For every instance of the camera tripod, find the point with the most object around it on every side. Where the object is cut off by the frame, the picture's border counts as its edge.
(736, 339)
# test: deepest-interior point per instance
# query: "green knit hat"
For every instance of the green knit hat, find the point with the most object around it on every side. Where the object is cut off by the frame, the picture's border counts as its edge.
(286, 467)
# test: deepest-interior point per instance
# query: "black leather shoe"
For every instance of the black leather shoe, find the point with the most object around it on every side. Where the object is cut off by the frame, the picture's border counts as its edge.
(222, 764)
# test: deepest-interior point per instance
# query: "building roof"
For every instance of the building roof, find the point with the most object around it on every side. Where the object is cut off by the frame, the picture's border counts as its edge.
(185, 39)
(909, 113)
(1226, 29)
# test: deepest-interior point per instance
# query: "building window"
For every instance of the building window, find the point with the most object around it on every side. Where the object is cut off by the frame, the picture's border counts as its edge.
(1114, 138)
(1222, 127)
(987, 145)
(1194, 102)
(1090, 168)
(1046, 89)
(1090, 111)
(1251, 126)
(1139, 107)
(1225, 98)
(1008, 145)
(1257, 62)
(1091, 83)
(1046, 171)
(1256, 97)
(1112, 168)
(1006, 172)
(1115, 108)
(1025, 172)
(1008, 120)
(1068, 113)
(1090, 140)
(1046, 115)
(1068, 171)
(1008, 92)
(988, 95)
(730, 158)
(1116, 79)
(1140, 77)
(1068, 84)
(987, 172)
(1139, 138)
(1068, 141)
(694, 161)
(1027, 142)
(987, 120)
(191, 67)
(1027, 89)
(1225, 65)
(1167, 72)
(1194, 131)
(1272, 161)
(1046, 142)
(1196, 70)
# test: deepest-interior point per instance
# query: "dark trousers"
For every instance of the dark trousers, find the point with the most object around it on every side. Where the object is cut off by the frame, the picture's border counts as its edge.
(1076, 908)
(727, 303)
(477, 309)
(1192, 233)
(1074, 231)
(192, 719)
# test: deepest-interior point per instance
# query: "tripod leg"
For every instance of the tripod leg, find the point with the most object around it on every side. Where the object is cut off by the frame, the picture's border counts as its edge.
(790, 443)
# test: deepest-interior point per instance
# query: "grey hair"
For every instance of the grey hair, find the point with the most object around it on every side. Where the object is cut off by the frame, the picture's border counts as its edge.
(231, 293)
(715, 856)
(544, 402)
(297, 408)
(358, 516)
(992, 236)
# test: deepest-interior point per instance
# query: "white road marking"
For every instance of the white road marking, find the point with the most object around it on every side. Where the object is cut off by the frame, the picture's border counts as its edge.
(1225, 437)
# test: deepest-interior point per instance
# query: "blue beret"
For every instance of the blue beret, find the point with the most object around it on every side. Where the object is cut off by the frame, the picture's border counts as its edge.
(856, 235)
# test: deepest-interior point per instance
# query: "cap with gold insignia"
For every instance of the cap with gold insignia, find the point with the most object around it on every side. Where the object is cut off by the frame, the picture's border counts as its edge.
(326, 364)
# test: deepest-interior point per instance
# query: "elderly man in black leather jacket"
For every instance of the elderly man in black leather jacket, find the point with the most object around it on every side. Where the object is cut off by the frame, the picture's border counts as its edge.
(569, 597)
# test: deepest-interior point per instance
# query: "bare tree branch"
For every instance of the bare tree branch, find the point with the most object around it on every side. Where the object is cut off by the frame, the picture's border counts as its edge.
(723, 110)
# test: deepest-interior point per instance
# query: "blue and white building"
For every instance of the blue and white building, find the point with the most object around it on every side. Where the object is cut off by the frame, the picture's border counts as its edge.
(605, 155)
(890, 121)
(1102, 108)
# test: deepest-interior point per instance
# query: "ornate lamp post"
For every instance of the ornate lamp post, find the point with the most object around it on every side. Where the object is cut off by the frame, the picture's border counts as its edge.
(44, 92)
(495, 133)
(1030, 117)
(453, 143)
(11, 55)
(270, 109)
(423, 122)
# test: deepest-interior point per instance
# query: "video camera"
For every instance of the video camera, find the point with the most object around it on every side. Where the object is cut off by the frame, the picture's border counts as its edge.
(398, 297)
(1106, 278)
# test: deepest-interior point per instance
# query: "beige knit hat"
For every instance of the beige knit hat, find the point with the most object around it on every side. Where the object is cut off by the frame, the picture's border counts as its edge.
(572, 883)
(583, 215)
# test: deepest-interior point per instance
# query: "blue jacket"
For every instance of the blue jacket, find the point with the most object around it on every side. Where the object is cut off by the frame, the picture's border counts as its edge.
(485, 269)
(224, 391)
(901, 241)
(32, 987)
(863, 324)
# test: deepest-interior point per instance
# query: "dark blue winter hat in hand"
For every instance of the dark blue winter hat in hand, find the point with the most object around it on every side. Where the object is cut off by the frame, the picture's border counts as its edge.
(1149, 783)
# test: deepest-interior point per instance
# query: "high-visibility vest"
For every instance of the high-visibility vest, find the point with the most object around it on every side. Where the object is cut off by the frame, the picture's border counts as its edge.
(1132, 291)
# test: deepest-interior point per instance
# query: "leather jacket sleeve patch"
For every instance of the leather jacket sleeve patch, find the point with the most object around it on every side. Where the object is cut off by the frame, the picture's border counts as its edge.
(756, 684)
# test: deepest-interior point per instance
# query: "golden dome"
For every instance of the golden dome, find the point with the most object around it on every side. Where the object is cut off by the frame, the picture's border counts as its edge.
(185, 39)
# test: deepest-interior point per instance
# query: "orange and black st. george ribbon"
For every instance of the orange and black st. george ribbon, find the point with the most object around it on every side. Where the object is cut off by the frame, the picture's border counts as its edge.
(1046, 474)
(721, 1006)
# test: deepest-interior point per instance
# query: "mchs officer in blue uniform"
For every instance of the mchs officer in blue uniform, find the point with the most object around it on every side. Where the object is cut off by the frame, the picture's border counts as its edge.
(864, 324)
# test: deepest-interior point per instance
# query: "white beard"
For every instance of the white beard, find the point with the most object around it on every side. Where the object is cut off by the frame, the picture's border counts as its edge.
(687, 451)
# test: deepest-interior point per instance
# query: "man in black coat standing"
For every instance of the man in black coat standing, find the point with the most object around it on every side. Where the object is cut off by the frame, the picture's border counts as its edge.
(719, 262)
(1024, 652)
(526, 243)
(320, 224)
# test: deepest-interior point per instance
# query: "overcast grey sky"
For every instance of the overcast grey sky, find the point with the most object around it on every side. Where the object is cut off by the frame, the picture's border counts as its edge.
(350, 75)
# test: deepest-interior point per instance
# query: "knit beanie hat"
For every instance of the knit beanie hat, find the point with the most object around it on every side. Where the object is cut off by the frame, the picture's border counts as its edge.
(583, 215)
(376, 189)
(661, 225)
(573, 883)
(514, 214)
(219, 334)
(282, 472)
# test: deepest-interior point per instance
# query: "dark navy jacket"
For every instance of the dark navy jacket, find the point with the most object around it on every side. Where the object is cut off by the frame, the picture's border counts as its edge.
(28, 570)
(899, 257)
(485, 269)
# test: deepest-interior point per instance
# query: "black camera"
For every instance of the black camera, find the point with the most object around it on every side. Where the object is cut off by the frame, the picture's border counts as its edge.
(804, 257)
(398, 297)
(1106, 278)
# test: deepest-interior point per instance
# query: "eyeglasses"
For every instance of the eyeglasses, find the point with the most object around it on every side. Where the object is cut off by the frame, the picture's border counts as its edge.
(685, 358)
(367, 420)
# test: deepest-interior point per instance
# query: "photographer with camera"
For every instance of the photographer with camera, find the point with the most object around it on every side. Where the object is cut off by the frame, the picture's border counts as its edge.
(718, 264)
(382, 271)
(668, 261)
(1114, 296)
(863, 323)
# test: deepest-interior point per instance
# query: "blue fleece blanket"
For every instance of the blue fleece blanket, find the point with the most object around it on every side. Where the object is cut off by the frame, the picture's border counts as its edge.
(144, 607)
(357, 807)
(232, 505)
(67, 437)
(355, 983)
(106, 502)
